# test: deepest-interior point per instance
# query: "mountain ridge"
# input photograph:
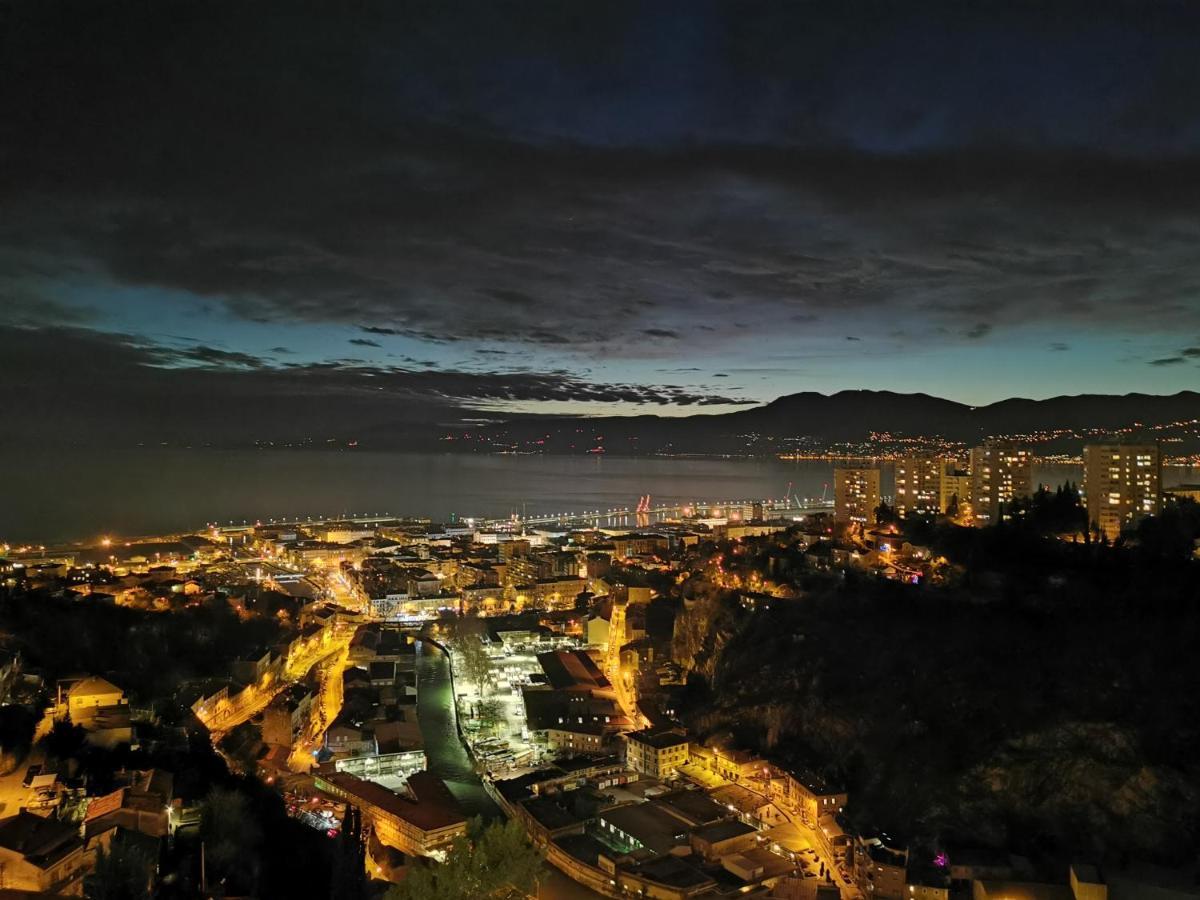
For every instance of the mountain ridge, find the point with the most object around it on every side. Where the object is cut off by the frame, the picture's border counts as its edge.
(815, 420)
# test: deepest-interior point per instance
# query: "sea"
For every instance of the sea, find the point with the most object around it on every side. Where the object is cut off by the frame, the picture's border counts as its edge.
(59, 495)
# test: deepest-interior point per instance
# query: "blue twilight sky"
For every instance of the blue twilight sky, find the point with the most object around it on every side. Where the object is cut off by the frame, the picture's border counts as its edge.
(418, 211)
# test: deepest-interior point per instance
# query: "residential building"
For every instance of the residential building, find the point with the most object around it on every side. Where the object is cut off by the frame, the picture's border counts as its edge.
(579, 739)
(1000, 473)
(144, 803)
(919, 484)
(42, 855)
(99, 707)
(879, 868)
(812, 795)
(656, 753)
(1122, 483)
(855, 495)
(81, 697)
(954, 486)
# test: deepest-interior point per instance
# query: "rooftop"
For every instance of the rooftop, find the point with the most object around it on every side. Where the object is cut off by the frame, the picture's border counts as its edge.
(692, 806)
(659, 740)
(647, 823)
(41, 841)
(433, 808)
(572, 669)
(672, 871)
(723, 831)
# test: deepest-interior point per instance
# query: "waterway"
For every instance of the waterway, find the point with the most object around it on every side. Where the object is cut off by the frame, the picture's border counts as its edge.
(446, 756)
(62, 495)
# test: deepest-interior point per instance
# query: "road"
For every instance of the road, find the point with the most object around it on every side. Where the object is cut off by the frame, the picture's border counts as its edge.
(327, 705)
(229, 713)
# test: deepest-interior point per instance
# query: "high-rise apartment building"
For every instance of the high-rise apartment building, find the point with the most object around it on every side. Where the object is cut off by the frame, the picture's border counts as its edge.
(1122, 483)
(919, 484)
(1000, 472)
(955, 486)
(855, 495)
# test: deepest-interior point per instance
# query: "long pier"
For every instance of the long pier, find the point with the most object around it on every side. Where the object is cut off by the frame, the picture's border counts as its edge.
(718, 509)
(698, 509)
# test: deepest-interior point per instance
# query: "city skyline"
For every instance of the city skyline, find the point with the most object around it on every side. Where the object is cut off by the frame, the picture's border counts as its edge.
(441, 215)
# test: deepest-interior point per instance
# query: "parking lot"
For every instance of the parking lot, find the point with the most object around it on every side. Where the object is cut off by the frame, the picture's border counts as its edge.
(503, 746)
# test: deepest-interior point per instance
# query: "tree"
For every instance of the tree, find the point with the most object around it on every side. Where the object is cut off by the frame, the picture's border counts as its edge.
(886, 515)
(474, 662)
(495, 861)
(349, 880)
(64, 740)
(231, 836)
(490, 714)
(122, 872)
(16, 736)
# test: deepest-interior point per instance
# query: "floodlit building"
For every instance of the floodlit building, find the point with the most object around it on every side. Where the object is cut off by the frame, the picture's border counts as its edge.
(1000, 473)
(919, 484)
(855, 495)
(1122, 483)
(656, 753)
(424, 821)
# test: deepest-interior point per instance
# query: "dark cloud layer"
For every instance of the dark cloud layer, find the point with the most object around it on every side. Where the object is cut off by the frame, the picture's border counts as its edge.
(625, 183)
(123, 389)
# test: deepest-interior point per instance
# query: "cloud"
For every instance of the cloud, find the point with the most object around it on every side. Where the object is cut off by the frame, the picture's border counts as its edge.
(851, 337)
(621, 191)
(120, 387)
(1168, 361)
(203, 356)
(1190, 352)
(977, 331)
(364, 342)
(1059, 347)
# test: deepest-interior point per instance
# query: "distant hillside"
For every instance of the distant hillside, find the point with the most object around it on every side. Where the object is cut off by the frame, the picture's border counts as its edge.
(818, 421)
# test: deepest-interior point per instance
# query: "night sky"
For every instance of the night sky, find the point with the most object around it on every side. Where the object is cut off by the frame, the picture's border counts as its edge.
(244, 213)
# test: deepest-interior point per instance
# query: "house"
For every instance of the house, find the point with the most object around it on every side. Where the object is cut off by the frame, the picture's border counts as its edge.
(144, 804)
(656, 753)
(99, 707)
(345, 739)
(80, 697)
(42, 855)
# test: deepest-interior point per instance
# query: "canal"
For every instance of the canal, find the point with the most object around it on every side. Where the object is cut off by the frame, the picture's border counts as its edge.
(447, 759)
(446, 755)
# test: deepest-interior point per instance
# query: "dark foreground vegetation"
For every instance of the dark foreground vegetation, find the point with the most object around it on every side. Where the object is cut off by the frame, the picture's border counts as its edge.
(1042, 697)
